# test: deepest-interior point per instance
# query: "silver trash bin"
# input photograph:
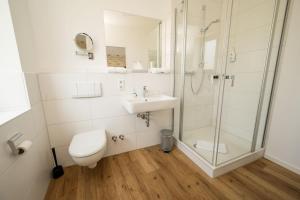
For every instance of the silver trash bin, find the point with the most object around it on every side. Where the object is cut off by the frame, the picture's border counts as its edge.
(167, 140)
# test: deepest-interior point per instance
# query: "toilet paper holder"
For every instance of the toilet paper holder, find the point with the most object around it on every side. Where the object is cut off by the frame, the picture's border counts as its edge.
(18, 147)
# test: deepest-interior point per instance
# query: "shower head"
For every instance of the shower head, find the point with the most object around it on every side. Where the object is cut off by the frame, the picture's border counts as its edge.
(209, 25)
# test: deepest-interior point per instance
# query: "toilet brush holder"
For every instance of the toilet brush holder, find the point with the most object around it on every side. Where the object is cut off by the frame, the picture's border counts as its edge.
(58, 170)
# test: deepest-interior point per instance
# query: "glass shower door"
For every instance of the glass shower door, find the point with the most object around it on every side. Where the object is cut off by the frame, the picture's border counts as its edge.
(201, 83)
(225, 61)
(247, 59)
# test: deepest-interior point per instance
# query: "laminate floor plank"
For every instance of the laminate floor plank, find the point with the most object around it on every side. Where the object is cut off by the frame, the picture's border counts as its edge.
(149, 173)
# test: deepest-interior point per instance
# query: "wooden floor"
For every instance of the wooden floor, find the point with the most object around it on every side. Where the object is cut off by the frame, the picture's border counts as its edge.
(151, 174)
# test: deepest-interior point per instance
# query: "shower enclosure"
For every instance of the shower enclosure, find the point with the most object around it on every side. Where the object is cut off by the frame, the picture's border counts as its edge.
(225, 59)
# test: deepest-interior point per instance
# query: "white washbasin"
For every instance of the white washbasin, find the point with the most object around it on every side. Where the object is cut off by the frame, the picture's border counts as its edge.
(152, 103)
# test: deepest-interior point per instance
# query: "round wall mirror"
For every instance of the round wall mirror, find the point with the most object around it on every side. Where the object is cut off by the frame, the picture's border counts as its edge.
(84, 42)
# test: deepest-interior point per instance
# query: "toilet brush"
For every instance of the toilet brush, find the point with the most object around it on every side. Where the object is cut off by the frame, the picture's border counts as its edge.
(58, 170)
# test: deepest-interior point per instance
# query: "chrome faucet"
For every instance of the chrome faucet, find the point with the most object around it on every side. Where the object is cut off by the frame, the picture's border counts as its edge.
(145, 91)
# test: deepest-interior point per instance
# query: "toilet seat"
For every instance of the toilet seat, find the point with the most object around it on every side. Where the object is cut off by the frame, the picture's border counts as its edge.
(87, 143)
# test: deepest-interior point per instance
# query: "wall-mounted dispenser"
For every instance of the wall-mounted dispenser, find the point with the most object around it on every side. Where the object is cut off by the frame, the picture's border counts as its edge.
(17, 145)
(85, 45)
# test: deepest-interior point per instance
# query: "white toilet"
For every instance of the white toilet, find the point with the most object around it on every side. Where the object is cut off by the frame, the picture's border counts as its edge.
(87, 148)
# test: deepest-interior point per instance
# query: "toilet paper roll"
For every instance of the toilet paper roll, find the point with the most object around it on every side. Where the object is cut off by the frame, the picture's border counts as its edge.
(24, 146)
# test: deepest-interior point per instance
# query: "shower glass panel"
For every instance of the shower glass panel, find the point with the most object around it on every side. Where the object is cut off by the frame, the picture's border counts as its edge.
(248, 50)
(203, 32)
(226, 52)
(178, 52)
(270, 72)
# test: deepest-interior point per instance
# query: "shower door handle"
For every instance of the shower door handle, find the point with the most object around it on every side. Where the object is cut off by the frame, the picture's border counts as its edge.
(231, 77)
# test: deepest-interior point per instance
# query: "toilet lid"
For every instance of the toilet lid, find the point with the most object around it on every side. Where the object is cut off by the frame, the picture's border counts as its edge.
(88, 143)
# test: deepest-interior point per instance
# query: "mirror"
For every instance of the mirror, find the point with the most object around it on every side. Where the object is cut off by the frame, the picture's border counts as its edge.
(85, 44)
(132, 41)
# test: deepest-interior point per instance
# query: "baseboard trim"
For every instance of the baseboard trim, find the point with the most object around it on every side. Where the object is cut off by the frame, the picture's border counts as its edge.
(283, 164)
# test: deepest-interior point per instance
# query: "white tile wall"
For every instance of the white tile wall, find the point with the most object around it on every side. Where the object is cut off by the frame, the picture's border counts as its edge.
(196, 117)
(250, 33)
(107, 107)
(128, 144)
(63, 156)
(247, 62)
(251, 15)
(26, 176)
(68, 110)
(66, 116)
(61, 134)
(60, 86)
(122, 124)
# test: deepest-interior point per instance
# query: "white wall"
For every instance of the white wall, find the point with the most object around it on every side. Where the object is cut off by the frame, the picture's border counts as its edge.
(26, 176)
(55, 24)
(284, 128)
(24, 34)
(66, 116)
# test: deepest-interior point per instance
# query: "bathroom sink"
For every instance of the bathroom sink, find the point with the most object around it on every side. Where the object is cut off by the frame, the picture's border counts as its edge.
(148, 104)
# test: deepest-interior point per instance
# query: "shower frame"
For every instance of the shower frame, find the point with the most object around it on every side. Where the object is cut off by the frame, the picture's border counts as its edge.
(215, 169)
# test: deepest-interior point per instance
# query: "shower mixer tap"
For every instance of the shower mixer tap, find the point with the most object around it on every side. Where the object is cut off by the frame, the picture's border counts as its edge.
(230, 77)
(215, 76)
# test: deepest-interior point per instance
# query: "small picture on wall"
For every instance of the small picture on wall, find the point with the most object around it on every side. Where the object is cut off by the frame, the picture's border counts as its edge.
(116, 56)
